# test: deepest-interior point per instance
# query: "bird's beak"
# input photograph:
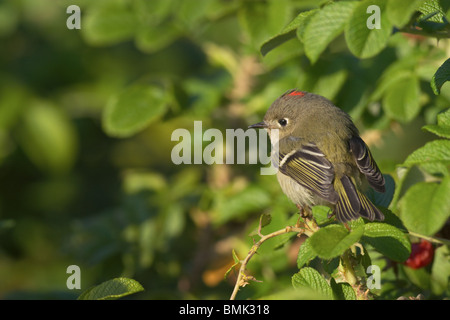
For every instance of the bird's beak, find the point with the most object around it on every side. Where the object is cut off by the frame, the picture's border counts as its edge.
(261, 124)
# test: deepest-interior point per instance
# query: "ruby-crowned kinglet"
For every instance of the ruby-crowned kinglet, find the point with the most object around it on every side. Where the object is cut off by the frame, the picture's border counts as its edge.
(321, 158)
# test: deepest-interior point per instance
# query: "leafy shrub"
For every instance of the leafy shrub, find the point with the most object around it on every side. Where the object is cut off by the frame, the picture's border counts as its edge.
(86, 118)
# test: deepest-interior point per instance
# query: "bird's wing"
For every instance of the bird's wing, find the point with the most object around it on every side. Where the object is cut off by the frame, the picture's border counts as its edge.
(366, 163)
(309, 167)
(352, 203)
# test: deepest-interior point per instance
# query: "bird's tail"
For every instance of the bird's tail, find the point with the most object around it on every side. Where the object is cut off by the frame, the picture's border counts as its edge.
(353, 204)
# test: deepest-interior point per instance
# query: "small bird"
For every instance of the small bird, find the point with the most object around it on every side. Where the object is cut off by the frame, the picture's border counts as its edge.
(321, 158)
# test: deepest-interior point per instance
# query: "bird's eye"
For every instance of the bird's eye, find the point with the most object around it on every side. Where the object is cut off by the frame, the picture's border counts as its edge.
(283, 122)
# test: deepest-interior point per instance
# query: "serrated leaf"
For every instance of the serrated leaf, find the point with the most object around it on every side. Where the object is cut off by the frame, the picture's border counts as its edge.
(112, 289)
(399, 11)
(133, 109)
(426, 206)
(332, 241)
(276, 41)
(325, 26)
(303, 22)
(434, 156)
(342, 291)
(305, 253)
(442, 128)
(310, 278)
(430, 7)
(388, 240)
(401, 100)
(441, 76)
(362, 41)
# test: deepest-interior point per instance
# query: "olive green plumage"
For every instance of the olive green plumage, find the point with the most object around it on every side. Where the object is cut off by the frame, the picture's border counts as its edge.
(321, 159)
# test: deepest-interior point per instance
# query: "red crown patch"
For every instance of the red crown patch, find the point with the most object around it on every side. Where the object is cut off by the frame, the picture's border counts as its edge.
(297, 93)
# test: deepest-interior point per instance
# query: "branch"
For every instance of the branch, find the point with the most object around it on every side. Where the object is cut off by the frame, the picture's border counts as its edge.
(242, 277)
(431, 239)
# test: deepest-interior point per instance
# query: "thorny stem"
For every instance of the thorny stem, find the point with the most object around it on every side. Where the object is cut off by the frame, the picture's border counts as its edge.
(445, 34)
(242, 277)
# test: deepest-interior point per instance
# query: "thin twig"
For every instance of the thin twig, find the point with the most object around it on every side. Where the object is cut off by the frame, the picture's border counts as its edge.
(431, 239)
(242, 277)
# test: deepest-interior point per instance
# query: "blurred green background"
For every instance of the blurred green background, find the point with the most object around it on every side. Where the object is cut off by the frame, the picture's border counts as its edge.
(84, 183)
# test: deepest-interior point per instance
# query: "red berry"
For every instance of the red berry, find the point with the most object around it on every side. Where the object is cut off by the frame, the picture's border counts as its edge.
(421, 254)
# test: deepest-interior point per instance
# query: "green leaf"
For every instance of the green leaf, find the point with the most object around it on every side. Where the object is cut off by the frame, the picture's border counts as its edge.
(108, 23)
(112, 289)
(239, 205)
(235, 257)
(419, 277)
(310, 278)
(133, 109)
(396, 72)
(236, 262)
(324, 78)
(332, 241)
(440, 77)
(362, 41)
(264, 220)
(432, 7)
(151, 38)
(399, 11)
(294, 294)
(401, 100)
(289, 32)
(321, 213)
(440, 271)
(305, 253)
(304, 19)
(276, 41)
(434, 156)
(426, 206)
(326, 25)
(342, 291)
(388, 240)
(259, 20)
(48, 138)
(13, 100)
(442, 128)
(191, 12)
